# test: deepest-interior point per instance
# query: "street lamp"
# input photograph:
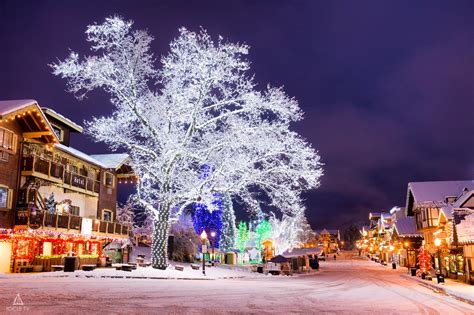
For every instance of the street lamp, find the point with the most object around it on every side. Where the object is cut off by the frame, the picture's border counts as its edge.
(203, 239)
(213, 235)
(437, 243)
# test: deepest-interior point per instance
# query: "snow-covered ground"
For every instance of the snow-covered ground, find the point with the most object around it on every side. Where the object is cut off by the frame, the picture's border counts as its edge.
(341, 287)
(212, 273)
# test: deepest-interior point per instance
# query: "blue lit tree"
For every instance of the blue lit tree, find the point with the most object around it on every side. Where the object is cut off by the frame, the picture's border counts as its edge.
(209, 221)
(204, 218)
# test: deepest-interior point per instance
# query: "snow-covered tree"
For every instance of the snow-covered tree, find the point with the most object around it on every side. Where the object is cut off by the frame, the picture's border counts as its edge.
(126, 214)
(256, 216)
(290, 231)
(199, 108)
(229, 230)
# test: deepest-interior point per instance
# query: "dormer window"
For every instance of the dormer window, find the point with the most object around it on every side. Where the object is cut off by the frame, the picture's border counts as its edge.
(58, 131)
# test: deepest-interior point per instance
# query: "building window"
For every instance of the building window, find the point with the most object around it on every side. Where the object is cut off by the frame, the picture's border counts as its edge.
(5, 197)
(107, 215)
(7, 140)
(108, 179)
(59, 132)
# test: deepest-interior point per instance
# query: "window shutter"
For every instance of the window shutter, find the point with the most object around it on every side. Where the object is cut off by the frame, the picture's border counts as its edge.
(10, 199)
(14, 144)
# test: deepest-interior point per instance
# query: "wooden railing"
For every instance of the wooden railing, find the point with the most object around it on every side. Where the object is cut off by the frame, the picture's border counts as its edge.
(66, 221)
(58, 171)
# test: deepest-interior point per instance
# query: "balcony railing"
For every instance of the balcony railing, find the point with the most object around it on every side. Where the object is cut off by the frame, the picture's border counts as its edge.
(57, 171)
(66, 221)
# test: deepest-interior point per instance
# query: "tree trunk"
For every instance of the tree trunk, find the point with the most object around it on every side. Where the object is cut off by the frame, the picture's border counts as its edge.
(159, 247)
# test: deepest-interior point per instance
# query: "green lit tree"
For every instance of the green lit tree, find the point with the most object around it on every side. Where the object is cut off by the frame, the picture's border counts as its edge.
(262, 232)
(243, 236)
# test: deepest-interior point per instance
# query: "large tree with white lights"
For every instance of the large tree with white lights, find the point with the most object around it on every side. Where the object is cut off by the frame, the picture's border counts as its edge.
(199, 107)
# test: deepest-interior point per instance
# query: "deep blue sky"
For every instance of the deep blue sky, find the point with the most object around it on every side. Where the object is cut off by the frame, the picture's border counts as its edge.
(387, 86)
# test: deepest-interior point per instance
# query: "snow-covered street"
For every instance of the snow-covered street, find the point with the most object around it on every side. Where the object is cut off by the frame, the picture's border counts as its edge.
(342, 287)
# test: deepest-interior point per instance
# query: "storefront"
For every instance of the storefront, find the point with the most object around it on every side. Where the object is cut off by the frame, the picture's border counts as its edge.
(44, 247)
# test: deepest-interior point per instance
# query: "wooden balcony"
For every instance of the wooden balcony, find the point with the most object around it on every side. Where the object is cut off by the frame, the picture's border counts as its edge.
(48, 221)
(56, 172)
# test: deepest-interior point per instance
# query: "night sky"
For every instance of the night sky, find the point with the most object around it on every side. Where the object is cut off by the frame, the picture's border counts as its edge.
(387, 87)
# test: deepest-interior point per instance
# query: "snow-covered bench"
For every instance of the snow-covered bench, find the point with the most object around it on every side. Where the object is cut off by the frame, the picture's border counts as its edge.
(195, 266)
(179, 267)
(57, 267)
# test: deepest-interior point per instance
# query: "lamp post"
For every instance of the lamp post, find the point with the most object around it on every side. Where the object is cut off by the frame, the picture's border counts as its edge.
(203, 239)
(213, 235)
(437, 243)
(408, 256)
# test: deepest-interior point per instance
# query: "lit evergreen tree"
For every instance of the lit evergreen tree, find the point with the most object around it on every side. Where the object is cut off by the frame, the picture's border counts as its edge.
(262, 232)
(243, 236)
(229, 230)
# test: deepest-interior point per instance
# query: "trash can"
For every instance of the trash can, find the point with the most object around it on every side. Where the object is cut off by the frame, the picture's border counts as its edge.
(394, 265)
(260, 269)
(440, 278)
(413, 272)
(69, 263)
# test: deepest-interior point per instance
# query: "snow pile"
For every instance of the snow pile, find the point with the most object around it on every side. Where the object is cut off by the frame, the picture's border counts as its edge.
(212, 273)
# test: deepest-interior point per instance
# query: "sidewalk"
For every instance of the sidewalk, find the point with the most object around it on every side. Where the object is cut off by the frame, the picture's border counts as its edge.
(459, 290)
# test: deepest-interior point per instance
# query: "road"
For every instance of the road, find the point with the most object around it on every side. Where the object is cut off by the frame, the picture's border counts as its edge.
(341, 287)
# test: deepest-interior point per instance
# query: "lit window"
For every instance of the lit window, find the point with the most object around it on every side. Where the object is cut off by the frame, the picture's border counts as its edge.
(107, 215)
(109, 179)
(5, 197)
(7, 140)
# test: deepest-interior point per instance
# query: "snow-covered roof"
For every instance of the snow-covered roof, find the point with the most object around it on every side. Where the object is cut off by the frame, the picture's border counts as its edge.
(448, 211)
(438, 191)
(462, 199)
(406, 226)
(63, 119)
(114, 160)
(465, 230)
(295, 252)
(7, 107)
(79, 154)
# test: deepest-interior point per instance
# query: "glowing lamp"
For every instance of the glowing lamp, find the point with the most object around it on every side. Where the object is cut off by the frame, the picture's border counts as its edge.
(437, 242)
(203, 235)
(213, 234)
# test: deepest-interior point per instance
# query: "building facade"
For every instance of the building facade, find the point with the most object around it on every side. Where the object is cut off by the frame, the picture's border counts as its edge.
(54, 199)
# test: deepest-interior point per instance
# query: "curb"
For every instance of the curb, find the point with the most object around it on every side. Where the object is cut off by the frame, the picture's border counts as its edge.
(439, 289)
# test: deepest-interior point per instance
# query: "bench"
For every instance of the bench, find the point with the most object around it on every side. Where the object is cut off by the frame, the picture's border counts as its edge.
(57, 267)
(88, 267)
(144, 264)
(127, 267)
(179, 267)
(195, 266)
(27, 268)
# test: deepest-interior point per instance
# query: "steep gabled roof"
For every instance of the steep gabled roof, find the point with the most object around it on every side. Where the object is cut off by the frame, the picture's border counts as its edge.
(30, 116)
(459, 203)
(68, 122)
(8, 107)
(406, 227)
(438, 191)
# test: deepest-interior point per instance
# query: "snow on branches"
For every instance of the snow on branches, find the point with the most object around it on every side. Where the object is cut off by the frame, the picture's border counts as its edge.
(199, 108)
